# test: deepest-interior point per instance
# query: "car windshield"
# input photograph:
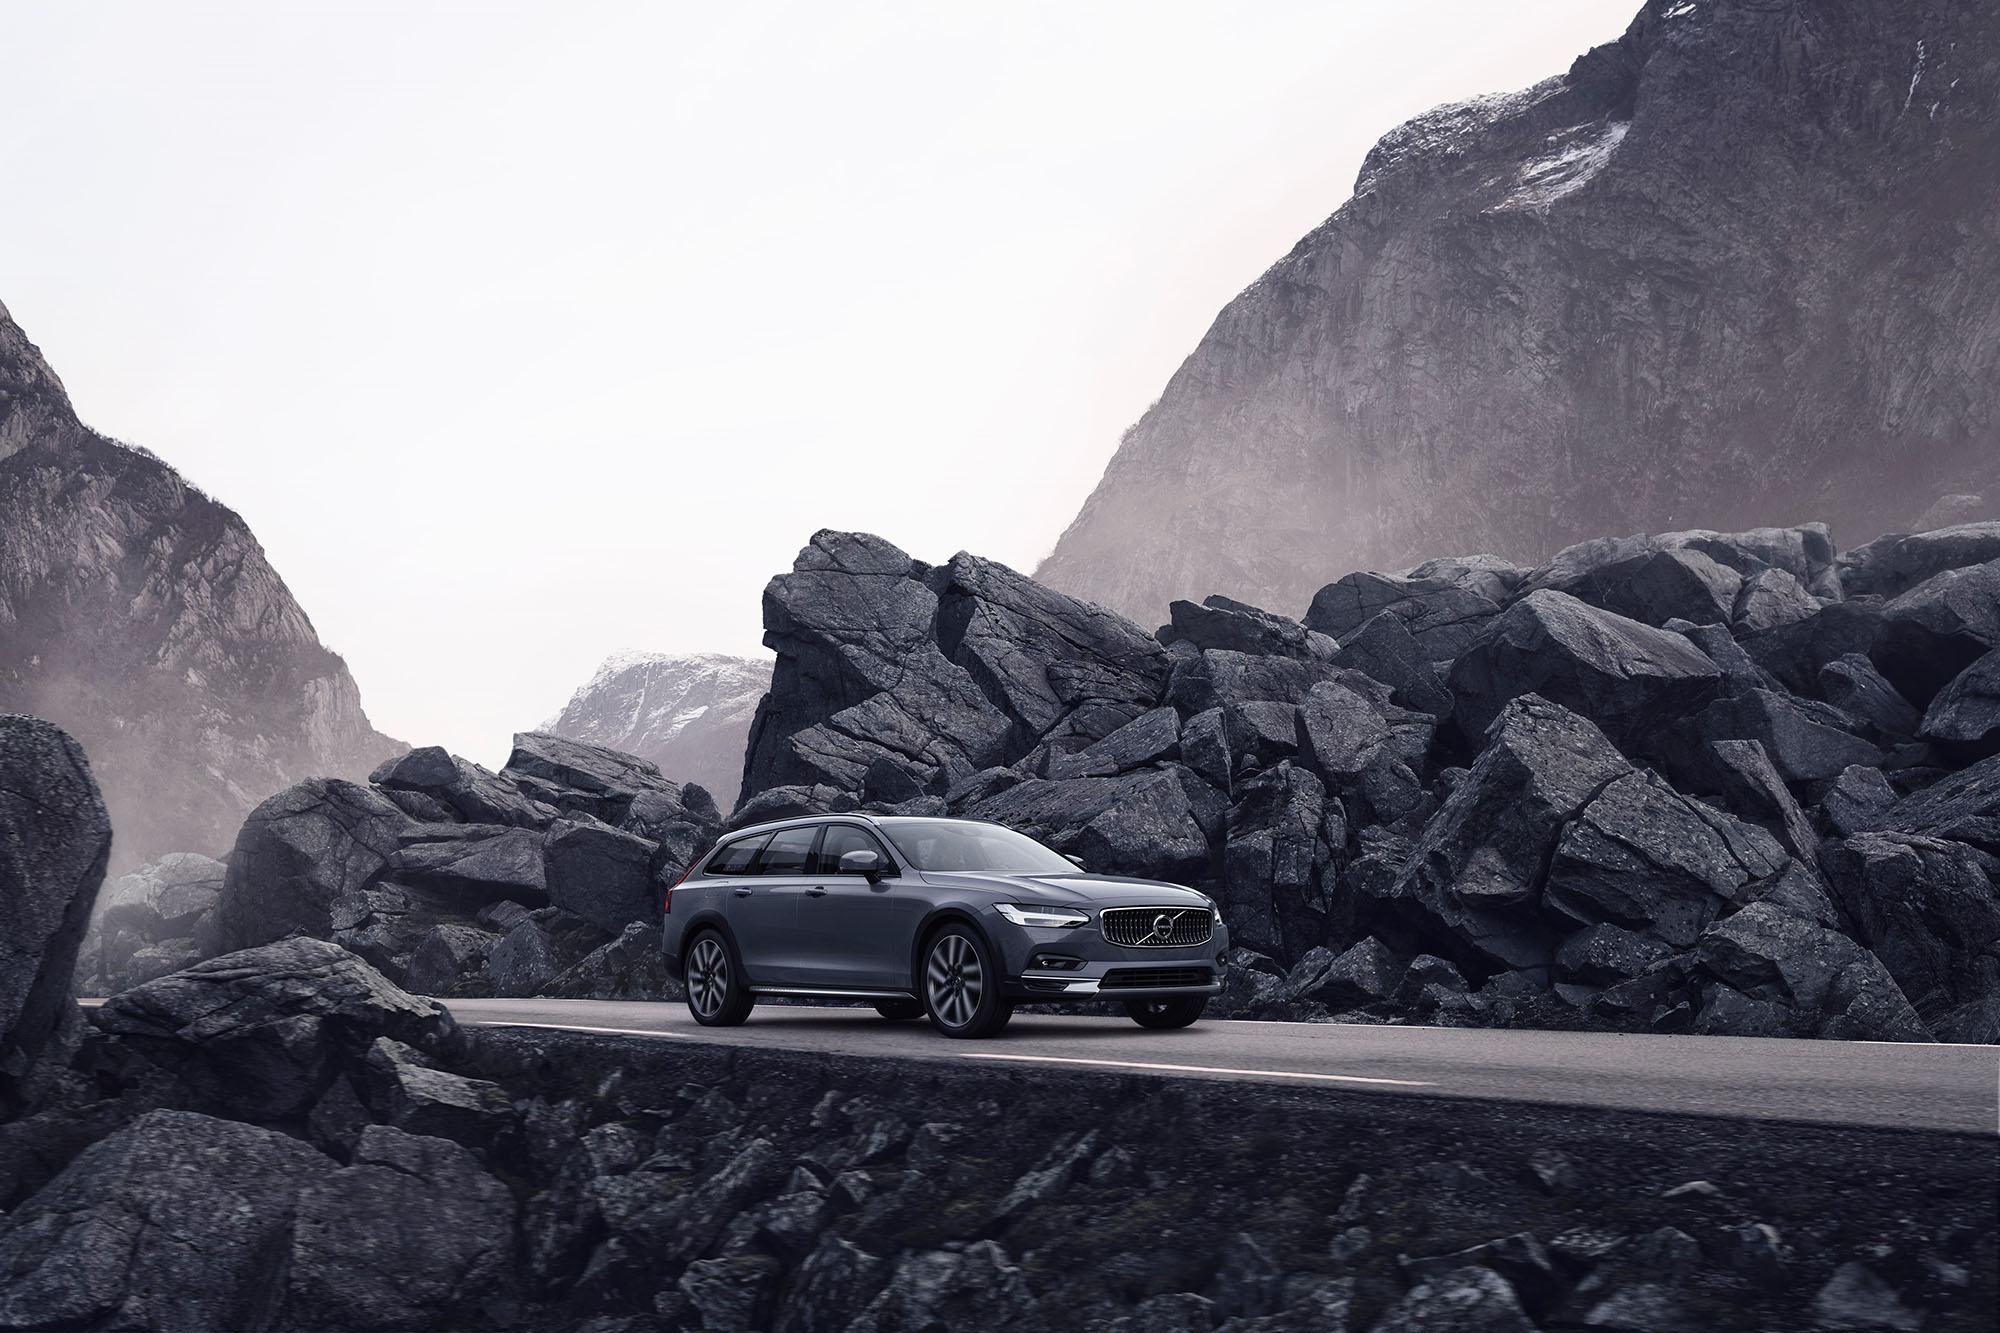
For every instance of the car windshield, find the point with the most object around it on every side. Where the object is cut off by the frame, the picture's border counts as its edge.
(944, 844)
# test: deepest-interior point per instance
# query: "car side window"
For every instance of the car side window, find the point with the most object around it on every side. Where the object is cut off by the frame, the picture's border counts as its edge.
(788, 853)
(735, 857)
(844, 838)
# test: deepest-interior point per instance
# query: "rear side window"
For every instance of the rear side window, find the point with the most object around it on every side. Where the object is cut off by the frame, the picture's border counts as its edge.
(844, 838)
(735, 858)
(788, 852)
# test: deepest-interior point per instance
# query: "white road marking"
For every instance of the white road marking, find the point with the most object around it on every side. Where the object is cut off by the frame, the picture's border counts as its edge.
(572, 1027)
(1196, 1069)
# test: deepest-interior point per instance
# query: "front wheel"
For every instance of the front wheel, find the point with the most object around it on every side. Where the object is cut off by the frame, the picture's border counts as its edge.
(716, 995)
(1178, 1012)
(900, 1010)
(962, 986)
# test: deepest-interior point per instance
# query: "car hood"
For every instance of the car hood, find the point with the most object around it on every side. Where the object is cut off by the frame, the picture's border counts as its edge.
(1079, 890)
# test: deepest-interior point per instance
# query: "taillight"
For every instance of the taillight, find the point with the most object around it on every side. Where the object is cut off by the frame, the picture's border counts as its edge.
(668, 906)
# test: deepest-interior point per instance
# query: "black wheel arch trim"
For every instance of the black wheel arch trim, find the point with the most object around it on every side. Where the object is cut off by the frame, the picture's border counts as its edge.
(712, 920)
(944, 915)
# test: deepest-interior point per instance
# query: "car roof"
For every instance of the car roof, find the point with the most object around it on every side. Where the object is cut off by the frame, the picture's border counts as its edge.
(849, 816)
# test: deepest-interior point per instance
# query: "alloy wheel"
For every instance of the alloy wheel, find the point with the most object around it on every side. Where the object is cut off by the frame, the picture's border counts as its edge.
(708, 977)
(953, 980)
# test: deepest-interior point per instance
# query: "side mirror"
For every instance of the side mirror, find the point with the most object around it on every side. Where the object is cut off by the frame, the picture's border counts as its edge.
(862, 861)
(1077, 861)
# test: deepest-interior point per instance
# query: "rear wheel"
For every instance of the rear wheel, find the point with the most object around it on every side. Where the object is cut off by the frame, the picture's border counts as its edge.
(716, 994)
(900, 1010)
(1176, 1012)
(962, 986)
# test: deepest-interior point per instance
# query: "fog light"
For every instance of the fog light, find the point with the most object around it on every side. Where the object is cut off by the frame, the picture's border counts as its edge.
(1054, 962)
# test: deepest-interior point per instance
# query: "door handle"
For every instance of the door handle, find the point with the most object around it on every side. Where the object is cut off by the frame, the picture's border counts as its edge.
(816, 891)
(741, 893)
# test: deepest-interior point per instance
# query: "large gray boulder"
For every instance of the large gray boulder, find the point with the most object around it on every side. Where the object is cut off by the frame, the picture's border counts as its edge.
(1475, 877)
(1444, 617)
(1892, 565)
(461, 788)
(413, 1234)
(1628, 678)
(578, 777)
(1964, 806)
(55, 840)
(1284, 835)
(1806, 740)
(476, 862)
(1218, 677)
(298, 853)
(601, 874)
(261, 1033)
(1813, 980)
(1238, 627)
(178, 1221)
(1643, 579)
(1967, 712)
(1938, 629)
(1135, 824)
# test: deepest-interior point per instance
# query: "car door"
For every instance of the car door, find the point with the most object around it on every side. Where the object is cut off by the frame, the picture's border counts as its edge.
(856, 933)
(763, 907)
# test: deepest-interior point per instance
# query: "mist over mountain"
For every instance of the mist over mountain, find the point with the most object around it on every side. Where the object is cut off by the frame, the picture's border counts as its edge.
(143, 617)
(1740, 266)
(690, 714)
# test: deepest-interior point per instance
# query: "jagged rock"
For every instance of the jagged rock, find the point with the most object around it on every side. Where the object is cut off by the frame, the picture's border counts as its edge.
(177, 1221)
(1926, 907)
(1852, 684)
(418, 1099)
(1217, 678)
(299, 852)
(1805, 740)
(1854, 1297)
(1384, 649)
(413, 1234)
(55, 840)
(262, 1032)
(1136, 824)
(1795, 654)
(1964, 805)
(732, 1293)
(1751, 786)
(1967, 711)
(500, 917)
(479, 862)
(1521, 1259)
(463, 787)
(1428, 984)
(1938, 629)
(1364, 974)
(1351, 742)
(1739, 671)
(1442, 616)
(1151, 737)
(1604, 955)
(1858, 798)
(1643, 580)
(1772, 598)
(1240, 628)
(601, 874)
(1892, 565)
(1260, 734)
(1282, 834)
(448, 954)
(580, 778)
(831, 1287)
(973, 1288)
(1205, 748)
(1049, 1177)
(157, 960)
(1627, 678)
(1174, 1312)
(1248, 1282)
(1479, 865)
(537, 951)
(1829, 985)
(628, 968)
(1465, 1300)
(164, 899)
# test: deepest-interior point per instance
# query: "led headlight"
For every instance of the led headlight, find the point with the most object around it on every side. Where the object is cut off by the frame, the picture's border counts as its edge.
(1214, 909)
(1035, 914)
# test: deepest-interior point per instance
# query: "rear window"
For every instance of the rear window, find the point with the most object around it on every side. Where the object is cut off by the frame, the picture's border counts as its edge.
(788, 851)
(734, 858)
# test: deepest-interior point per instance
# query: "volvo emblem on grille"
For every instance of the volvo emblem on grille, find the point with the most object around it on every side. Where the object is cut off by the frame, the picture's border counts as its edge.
(1163, 925)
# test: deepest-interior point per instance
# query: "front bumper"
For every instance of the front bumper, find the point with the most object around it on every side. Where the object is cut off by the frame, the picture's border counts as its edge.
(1095, 960)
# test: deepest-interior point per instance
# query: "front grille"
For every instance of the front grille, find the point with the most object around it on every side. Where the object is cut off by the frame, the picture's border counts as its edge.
(1156, 927)
(1145, 978)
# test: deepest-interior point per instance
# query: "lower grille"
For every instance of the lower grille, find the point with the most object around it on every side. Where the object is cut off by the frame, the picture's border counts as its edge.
(1144, 978)
(1156, 927)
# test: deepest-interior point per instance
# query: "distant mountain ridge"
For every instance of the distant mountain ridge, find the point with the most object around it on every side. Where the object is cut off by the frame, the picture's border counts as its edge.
(688, 713)
(143, 617)
(1740, 266)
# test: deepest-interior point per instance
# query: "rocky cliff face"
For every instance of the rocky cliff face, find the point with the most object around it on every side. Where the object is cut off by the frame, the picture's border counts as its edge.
(690, 715)
(1742, 264)
(143, 617)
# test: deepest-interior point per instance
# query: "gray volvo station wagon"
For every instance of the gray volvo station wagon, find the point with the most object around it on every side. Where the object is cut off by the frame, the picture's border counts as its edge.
(955, 919)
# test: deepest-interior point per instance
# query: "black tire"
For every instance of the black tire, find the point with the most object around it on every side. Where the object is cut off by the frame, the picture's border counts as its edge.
(1177, 1012)
(900, 1011)
(961, 985)
(716, 995)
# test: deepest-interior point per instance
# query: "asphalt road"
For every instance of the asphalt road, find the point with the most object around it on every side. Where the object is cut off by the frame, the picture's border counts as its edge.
(1875, 1084)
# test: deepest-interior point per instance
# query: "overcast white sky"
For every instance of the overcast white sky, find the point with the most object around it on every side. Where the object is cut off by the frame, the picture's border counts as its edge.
(523, 333)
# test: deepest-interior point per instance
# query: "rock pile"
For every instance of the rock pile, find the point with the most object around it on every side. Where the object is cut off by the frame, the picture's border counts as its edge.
(455, 880)
(1720, 782)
